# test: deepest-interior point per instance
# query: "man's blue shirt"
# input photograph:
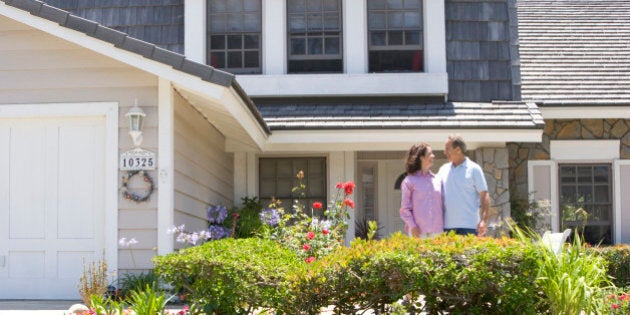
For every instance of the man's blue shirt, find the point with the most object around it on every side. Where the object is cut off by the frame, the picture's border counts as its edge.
(462, 185)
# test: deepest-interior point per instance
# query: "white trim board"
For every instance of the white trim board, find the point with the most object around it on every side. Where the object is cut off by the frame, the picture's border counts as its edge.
(166, 133)
(580, 150)
(585, 112)
(617, 164)
(110, 111)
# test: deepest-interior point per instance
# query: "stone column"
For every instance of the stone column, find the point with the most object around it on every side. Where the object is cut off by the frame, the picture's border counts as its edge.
(495, 165)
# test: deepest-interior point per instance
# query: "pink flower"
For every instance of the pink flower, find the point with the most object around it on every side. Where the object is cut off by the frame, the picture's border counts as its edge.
(339, 185)
(317, 205)
(306, 246)
(310, 235)
(615, 306)
(348, 187)
(324, 231)
(310, 259)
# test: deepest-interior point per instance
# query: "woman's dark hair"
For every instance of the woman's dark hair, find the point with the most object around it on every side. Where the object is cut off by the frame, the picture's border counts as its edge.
(413, 163)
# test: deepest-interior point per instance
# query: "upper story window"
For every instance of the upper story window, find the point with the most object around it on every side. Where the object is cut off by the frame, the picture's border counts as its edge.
(234, 35)
(395, 35)
(314, 36)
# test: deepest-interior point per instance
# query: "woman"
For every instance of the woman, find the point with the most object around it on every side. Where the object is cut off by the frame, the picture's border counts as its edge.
(421, 204)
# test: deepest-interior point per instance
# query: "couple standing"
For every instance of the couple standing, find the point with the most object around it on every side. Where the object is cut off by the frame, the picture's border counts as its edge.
(449, 201)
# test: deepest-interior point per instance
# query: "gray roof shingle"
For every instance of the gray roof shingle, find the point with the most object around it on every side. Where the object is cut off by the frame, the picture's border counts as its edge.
(496, 115)
(575, 52)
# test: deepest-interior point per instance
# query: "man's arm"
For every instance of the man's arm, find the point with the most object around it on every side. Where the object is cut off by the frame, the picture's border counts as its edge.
(482, 227)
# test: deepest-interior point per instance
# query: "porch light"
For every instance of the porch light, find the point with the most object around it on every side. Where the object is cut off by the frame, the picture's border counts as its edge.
(136, 121)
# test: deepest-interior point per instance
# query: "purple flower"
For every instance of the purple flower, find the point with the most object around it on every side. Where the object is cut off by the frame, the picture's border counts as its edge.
(216, 214)
(218, 232)
(270, 217)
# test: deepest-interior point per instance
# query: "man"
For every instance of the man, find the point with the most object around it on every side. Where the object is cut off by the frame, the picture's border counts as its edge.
(465, 191)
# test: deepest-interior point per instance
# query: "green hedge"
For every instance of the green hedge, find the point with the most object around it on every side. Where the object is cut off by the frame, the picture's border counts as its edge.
(618, 258)
(231, 276)
(458, 275)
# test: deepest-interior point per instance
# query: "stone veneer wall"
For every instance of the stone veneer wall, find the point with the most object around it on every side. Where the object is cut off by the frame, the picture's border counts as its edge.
(495, 165)
(576, 129)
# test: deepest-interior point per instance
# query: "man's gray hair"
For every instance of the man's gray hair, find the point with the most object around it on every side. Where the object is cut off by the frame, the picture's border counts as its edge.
(457, 142)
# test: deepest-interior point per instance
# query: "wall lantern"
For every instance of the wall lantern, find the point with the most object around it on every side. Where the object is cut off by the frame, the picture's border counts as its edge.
(136, 121)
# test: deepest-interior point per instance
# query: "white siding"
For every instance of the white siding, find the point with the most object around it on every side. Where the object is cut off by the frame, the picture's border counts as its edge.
(203, 171)
(39, 68)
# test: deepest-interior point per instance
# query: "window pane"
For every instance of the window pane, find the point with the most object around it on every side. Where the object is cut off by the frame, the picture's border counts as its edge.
(235, 59)
(376, 20)
(251, 59)
(412, 38)
(395, 61)
(217, 23)
(395, 20)
(251, 41)
(412, 4)
(218, 5)
(332, 46)
(298, 46)
(395, 38)
(568, 194)
(315, 22)
(235, 42)
(394, 4)
(584, 174)
(217, 59)
(585, 193)
(217, 42)
(601, 174)
(284, 168)
(267, 168)
(252, 5)
(235, 22)
(331, 21)
(315, 46)
(412, 19)
(331, 5)
(314, 5)
(234, 5)
(251, 22)
(376, 4)
(601, 194)
(377, 38)
(296, 5)
(297, 23)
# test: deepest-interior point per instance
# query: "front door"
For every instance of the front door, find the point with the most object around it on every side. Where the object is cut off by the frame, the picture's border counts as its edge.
(51, 204)
(389, 197)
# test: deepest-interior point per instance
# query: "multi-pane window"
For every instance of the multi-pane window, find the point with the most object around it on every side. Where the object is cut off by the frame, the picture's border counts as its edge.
(314, 36)
(395, 35)
(234, 35)
(277, 177)
(586, 201)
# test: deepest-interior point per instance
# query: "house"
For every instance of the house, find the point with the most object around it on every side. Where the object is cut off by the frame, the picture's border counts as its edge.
(575, 65)
(266, 88)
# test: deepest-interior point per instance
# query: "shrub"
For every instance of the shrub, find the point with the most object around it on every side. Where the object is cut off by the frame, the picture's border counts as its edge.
(618, 259)
(231, 276)
(93, 280)
(245, 220)
(458, 275)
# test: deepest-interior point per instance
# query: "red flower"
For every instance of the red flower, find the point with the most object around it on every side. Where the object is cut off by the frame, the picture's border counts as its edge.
(339, 185)
(235, 215)
(615, 306)
(348, 187)
(310, 259)
(324, 231)
(348, 202)
(317, 205)
(310, 235)
(306, 247)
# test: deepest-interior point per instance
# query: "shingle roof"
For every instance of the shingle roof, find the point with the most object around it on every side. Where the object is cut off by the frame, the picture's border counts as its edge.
(133, 45)
(496, 115)
(575, 51)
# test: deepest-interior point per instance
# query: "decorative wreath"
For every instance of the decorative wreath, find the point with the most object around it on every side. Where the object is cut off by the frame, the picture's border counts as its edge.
(135, 196)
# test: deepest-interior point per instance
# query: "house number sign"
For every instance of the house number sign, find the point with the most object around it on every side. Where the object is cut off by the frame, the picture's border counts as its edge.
(137, 159)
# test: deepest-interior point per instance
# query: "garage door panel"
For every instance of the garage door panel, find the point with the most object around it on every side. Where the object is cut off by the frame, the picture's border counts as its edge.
(27, 264)
(70, 263)
(77, 165)
(28, 185)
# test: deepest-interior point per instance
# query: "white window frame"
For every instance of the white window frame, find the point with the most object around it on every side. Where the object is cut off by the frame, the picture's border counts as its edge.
(582, 152)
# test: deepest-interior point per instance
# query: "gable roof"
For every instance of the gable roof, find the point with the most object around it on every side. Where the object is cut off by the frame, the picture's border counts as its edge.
(132, 45)
(575, 52)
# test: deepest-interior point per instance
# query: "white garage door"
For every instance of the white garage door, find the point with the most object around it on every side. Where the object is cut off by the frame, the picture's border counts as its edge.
(51, 204)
